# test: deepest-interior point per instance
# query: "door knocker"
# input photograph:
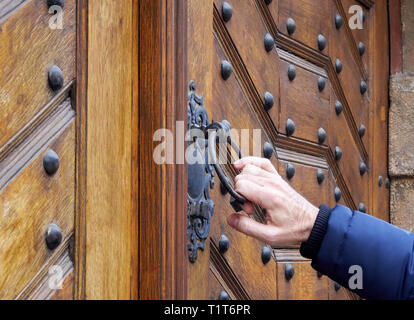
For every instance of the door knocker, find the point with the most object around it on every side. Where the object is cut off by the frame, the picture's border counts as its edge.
(203, 137)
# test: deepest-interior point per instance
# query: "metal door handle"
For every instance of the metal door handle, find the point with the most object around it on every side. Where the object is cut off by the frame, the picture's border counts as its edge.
(224, 128)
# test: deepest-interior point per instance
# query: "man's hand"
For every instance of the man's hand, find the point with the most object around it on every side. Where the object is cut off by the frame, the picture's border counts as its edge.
(289, 216)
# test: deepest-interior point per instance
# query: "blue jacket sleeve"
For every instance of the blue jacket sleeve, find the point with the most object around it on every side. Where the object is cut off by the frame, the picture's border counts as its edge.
(383, 252)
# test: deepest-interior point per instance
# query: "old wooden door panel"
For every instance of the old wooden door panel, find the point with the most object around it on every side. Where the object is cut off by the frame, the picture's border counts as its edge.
(33, 200)
(303, 103)
(36, 119)
(240, 100)
(28, 48)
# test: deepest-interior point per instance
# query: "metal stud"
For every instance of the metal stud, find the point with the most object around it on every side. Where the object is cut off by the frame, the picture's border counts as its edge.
(291, 72)
(290, 127)
(224, 295)
(338, 194)
(289, 271)
(337, 286)
(361, 48)
(338, 21)
(268, 2)
(320, 176)
(362, 130)
(59, 3)
(321, 135)
(380, 181)
(224, 244)
(51, 162)
(269, 42)
(269, 101)
(338, 66)
(338, 107)
(55, 76)
(321, 42)
(362, 168)
(267, 150)
(266, 254)
(53, 236)
(321, 83)
(226, 69)
(363, 87)
(226, 11)
(290, 171)
(362, 208)
(319, 274)
(387, 183)
(290, 26)
(338, 153)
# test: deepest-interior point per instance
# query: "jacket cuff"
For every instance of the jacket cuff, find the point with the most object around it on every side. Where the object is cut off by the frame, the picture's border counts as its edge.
(310, 248)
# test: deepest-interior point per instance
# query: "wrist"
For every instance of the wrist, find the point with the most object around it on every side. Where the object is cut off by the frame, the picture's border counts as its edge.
(311, 214)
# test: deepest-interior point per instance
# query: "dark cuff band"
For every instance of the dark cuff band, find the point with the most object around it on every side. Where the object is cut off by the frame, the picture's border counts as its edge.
(310, 248)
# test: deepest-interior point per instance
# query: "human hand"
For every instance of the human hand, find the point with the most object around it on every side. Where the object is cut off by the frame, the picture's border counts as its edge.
(289, 216)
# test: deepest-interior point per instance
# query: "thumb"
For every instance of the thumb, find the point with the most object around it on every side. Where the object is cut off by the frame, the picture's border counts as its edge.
(252, 228)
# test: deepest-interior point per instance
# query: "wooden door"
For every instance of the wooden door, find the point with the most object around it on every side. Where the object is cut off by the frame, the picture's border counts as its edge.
(317, 90)
(68, 149)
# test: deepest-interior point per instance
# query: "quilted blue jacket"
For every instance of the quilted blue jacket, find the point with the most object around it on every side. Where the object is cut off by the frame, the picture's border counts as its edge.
(383, 252)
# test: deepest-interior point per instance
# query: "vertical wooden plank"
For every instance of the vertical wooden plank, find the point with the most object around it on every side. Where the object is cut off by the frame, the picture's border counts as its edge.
(199, 69)
(379, 110)
(110, 220)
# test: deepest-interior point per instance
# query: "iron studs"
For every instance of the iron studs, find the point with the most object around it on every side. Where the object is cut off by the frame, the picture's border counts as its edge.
(320, 176)
(319, 274)
(224, 244)
(338, 21)
(380, 181)
(55, 76)
(338, 107)
(291, 72)
(226, 11)
(362, 130)
(290, 127)
(269, 42)
(363, 87)
(226, 69)
(290, 26)
(338, 66)
(362, 168)
(387, 183)
(268, 2)
(321, 83)
(321, 135)
(321, 42)
(53, 236)
(338, 194)
(59, 3)
(289, 271)
(51, 162)
(269, 101)
(267, 150)
(361, 48)
(224, 295)
(266, 255)
(337, 286)
(290, 171)
(338, 153)
(362, 208)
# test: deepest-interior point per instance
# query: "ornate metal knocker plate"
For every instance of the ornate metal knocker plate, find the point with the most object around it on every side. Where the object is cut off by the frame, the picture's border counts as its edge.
(200, 208)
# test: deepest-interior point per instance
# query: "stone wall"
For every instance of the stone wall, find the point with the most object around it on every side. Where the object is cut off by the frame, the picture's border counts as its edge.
(401, 128)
